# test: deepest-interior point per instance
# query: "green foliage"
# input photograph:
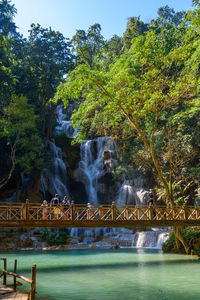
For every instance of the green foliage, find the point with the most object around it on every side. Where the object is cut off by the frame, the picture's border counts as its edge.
(195, 2)
(191, 235)
(135, 28)
(149, 93)
(169, 245)
(55, 237)
(141, 88)
(113, 49)
(7, 12)
(18, 126)
(88, 45)
(168, 16)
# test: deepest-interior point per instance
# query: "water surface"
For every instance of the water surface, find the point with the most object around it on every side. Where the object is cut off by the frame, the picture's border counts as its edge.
(111, 274)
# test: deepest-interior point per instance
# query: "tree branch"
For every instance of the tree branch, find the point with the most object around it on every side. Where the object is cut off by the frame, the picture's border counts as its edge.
(4, 181)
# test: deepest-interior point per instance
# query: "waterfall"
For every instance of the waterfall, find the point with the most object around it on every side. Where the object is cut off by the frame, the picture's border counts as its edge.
(150, 239)
(63, 124)
(98, 158)
(54, 178)
(125, 194)
(92, 166)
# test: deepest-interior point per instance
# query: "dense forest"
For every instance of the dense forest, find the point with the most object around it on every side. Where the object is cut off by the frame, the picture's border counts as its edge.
(141, 89)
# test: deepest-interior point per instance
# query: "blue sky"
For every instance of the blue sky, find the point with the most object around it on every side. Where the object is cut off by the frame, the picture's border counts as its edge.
(68, 15)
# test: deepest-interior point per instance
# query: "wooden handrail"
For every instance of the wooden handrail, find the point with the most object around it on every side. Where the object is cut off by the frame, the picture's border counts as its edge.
(33, 214)
(31, 281)
(17, 276)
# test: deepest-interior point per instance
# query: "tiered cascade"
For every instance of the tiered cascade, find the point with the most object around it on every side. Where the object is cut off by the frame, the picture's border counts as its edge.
(54, 179)
(97, 159)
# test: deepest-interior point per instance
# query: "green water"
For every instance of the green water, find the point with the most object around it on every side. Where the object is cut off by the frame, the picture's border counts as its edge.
(111, 274)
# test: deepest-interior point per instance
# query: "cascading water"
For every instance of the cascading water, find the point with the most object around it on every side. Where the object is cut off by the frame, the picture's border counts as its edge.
(54, 179)
(64, 125)
(97, 158)
(91, 166)
(133, 191)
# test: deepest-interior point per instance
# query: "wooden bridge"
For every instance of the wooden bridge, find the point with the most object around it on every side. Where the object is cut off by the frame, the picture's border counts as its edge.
(75, 215)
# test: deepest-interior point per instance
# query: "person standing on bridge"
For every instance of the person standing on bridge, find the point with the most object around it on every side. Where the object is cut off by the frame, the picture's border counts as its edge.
(55, 202)
(65, 208)
(45, 209)
(151, 203)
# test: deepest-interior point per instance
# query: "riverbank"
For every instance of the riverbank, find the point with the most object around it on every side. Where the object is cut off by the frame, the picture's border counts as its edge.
(191, 235)
(54, 239)
(78, 238)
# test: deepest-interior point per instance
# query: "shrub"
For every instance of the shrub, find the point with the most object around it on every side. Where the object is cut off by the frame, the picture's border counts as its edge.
(190, 234)
(54, 237)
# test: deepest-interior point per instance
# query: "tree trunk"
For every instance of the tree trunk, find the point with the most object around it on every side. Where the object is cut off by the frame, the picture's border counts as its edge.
(33, 192)
(17, 187)
(36, 184)
(161, 177)
(50, 127)
(179, 238)
(149, 146)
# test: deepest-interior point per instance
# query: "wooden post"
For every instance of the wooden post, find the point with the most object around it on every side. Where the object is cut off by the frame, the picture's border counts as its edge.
(5, 268)
(14, 277)
(73, 211)
(33, 284)
(7, 215)
(27, 209)
(185, 210)
(113, 211)
(101, 212)
(137, 212)
(151, 211)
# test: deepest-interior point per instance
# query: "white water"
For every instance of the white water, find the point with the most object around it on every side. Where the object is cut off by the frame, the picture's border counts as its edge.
(99, 157)
(150, 239)
(133, 191)
(54, 179)
(92, 165)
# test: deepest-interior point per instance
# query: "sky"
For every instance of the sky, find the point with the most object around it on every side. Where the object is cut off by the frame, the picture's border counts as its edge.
(67, 16)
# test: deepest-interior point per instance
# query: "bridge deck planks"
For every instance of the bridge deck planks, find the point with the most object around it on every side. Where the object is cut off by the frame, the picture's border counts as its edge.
(7, 293)
(97, 224)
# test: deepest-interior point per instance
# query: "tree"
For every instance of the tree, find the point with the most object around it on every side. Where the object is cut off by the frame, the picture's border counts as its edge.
(7, 32)
(147, 90)
(44, 60)
(113, 49)
(195, 2)
(87, 45)
(135, 27)
(18, 127)
(7, 12)
(168, 16)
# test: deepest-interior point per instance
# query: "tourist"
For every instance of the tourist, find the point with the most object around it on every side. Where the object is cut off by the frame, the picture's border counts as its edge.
(150, 199)
(89, 212)
(65, 201)
(55, 202)
(65, 208)
(151, 203)
(45, 209)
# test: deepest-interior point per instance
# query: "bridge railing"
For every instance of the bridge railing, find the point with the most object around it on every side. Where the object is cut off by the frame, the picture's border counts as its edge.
(82, 212)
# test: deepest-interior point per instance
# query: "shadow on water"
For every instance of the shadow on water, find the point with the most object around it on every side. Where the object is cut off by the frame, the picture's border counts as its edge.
(69, 267)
